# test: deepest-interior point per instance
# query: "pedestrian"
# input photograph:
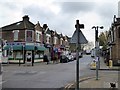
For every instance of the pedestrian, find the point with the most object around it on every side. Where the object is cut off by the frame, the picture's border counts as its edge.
(45, 59)
(29, 57)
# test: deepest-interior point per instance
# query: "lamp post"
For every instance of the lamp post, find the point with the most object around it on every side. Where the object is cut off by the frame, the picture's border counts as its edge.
(96, 49)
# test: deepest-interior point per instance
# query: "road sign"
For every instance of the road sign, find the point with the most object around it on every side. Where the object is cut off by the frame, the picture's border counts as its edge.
(82, 39)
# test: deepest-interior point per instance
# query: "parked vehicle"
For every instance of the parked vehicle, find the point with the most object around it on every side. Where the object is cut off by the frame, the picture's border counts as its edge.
(88, 52)
(74, 55)
(93, 53)
(70, 57)
(1, 69)
(80, 54)
(63, 59)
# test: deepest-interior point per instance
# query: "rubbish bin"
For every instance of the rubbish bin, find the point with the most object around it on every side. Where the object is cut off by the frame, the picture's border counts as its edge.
(110, 63)
(93, 65)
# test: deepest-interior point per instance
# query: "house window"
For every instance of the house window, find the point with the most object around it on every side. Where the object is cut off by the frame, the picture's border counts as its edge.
(119, 32)
(38, 36)
(61, 41)
(47, 40)
(16, 34)
(29, 36)
(55, 40)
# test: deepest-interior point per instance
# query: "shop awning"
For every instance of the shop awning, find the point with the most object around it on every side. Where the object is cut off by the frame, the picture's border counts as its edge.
(29, 47)
(14, 47)
(7, 47)
(17, 47)
(40, 48)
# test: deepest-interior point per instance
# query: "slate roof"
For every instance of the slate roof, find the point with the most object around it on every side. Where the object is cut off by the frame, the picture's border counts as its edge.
(24, 24)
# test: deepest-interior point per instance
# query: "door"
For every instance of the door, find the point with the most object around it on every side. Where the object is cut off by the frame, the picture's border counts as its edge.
(28, 57)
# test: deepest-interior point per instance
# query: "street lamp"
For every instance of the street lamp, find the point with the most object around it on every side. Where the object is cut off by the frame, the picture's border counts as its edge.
(96, 48)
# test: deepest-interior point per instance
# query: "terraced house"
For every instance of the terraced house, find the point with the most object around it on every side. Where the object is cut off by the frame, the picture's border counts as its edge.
(114, 41)
(23, 38)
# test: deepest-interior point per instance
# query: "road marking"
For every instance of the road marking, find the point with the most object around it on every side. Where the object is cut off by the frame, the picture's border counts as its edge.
(70, 85)
(67, 85)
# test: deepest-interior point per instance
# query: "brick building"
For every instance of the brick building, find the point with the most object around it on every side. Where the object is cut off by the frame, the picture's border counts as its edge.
(20, 39)
(114, 41)
(23, 38)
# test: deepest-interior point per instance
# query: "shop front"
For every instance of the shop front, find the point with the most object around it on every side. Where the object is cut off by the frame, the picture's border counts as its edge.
(21, 52)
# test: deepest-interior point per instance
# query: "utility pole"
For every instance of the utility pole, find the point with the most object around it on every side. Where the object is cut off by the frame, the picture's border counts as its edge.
(96, 49)
(78, 46)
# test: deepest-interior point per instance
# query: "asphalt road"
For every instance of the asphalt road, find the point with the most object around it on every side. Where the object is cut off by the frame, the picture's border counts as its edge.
(45, 76)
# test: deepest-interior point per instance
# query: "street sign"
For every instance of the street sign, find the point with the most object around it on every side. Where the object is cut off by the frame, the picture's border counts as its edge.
(82, 39)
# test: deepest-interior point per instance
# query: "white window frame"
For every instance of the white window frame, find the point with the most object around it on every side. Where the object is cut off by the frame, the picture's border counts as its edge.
(38, 36)
(48, 38)
(55, 40)
(15, 32)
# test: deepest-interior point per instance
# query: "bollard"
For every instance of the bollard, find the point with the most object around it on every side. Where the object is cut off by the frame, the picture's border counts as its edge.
(110, 63)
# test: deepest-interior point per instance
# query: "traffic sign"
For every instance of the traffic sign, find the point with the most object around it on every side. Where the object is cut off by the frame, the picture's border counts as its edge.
(82, 39)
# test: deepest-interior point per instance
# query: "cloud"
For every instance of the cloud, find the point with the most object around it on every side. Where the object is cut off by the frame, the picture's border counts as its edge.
(60, 16)
(39, 13)
(76, 7)
(106, 10)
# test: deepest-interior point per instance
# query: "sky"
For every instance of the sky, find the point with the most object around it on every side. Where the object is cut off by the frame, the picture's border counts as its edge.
(61, 15)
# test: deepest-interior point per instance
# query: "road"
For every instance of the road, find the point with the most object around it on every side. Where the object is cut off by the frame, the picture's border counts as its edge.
(45, 76)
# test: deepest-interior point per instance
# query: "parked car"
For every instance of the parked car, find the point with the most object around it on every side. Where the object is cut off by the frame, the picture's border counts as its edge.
(1, 69)
(74, 55)
(70, 57)
(63, 59)
(88, 52)
(80, 54)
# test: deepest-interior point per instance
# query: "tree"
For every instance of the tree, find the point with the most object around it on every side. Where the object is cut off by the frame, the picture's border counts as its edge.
(103, 39)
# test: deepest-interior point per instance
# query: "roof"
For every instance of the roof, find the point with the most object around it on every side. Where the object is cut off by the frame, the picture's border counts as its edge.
(48, 31)
(24, 24)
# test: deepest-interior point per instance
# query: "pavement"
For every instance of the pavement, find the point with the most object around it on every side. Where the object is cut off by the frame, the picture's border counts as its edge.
(102, 82)
(103, 66)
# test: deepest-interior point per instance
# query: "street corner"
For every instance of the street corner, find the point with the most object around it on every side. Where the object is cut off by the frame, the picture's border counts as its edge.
(71, 86)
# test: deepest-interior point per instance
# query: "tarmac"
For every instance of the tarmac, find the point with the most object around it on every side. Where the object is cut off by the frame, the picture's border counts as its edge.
(102, 82)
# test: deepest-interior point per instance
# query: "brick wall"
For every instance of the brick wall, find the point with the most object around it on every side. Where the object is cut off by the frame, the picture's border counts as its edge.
(7, 35)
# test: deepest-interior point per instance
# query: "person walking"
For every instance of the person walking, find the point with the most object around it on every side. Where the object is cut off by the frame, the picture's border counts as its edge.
(45, 59)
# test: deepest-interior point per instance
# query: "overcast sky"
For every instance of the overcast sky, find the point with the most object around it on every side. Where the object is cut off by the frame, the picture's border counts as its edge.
(61, 15)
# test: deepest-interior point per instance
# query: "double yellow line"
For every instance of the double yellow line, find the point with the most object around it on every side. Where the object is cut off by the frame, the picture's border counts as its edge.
(68, 86)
